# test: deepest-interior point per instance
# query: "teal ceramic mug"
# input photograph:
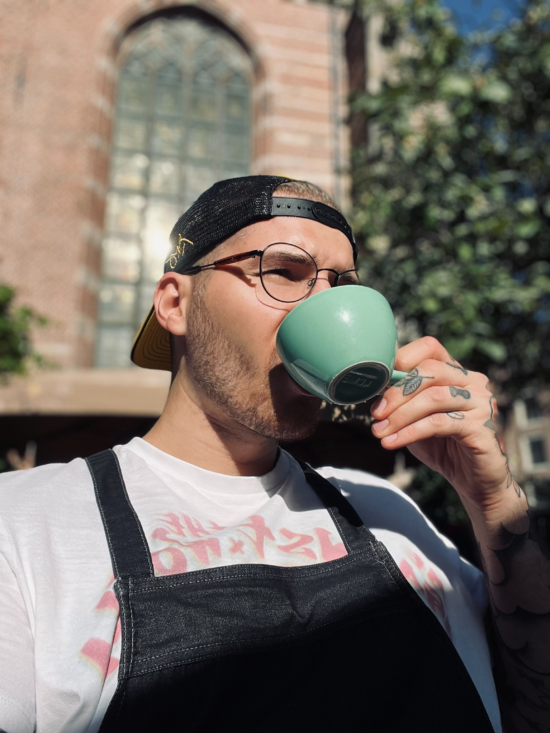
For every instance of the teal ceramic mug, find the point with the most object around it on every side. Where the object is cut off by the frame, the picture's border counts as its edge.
(341, 344)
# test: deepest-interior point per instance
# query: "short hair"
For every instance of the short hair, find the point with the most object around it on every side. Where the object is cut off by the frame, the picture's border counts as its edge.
(305, 190)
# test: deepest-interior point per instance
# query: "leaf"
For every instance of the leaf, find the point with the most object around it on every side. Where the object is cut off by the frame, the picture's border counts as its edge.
(452, 84)
(528, 229)
(465, 252)
(496, 91)
(456, 175)
(496, 350)
(527, 205)
(15, 325)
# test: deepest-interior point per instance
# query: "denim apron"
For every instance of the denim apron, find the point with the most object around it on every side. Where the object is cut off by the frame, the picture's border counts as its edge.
(345, 645)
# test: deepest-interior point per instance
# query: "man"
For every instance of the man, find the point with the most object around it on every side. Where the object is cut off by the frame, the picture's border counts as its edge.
(200, 579)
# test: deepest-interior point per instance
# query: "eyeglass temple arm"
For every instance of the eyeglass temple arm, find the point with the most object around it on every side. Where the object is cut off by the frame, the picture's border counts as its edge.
(224, 261)
(193, 270)
(338, 274)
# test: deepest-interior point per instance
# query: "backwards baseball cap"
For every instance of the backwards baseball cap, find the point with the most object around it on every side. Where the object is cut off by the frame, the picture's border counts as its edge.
(221, 211)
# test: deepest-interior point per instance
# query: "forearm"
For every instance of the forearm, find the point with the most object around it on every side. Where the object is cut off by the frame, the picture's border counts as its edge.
(517, 569)
(446, 416)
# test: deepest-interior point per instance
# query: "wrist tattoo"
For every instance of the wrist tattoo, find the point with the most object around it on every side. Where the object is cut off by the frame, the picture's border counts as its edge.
(456, 365)
(520, 610)
(456, 392)
(411, 382)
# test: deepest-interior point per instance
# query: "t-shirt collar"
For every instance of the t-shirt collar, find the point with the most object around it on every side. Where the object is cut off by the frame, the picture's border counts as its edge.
(209, 481)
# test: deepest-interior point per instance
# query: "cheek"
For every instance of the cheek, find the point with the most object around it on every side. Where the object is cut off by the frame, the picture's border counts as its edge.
(248, 321)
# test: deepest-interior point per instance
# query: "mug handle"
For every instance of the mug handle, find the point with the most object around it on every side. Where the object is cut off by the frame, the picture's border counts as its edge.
(397, 377)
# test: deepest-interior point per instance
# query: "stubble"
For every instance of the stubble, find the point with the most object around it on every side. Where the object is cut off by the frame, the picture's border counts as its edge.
(228, 375)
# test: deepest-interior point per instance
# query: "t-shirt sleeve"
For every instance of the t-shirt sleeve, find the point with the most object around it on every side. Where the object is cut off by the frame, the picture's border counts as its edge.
(17, 682)
(475, 582)
(384, 506)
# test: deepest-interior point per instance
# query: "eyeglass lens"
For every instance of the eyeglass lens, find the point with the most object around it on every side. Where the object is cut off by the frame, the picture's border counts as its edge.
(289, 273)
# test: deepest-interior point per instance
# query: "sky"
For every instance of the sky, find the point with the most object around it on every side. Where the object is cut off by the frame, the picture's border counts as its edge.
(472, 15)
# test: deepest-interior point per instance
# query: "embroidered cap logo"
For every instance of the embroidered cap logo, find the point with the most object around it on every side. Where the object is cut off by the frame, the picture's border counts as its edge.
(172, 261)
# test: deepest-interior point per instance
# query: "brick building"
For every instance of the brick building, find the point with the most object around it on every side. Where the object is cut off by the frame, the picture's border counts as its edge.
(78, 161)
(114, 116)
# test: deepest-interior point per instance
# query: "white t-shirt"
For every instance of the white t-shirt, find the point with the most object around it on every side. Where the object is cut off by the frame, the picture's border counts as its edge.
(59, 623)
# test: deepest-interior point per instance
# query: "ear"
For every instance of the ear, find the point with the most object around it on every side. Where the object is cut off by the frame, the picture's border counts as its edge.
(172, 298)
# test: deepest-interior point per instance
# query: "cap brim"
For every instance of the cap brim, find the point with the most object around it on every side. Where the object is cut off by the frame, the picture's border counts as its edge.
(151, 348)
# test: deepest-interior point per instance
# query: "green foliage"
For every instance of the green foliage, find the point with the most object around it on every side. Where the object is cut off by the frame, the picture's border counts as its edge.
(440, 502)
(452, 193)
(15, 325)
(437, 498)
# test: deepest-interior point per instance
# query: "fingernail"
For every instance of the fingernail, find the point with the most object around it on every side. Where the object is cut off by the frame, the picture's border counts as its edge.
(391, 438)
(378, 407)
(379, 427)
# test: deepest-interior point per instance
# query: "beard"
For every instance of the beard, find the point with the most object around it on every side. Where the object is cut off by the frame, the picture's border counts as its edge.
(230, 378)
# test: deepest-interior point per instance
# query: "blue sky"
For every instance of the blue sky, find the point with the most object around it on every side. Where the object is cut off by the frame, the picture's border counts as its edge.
(474, 15)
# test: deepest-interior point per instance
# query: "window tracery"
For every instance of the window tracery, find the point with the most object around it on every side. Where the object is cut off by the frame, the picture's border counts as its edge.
(182, 122)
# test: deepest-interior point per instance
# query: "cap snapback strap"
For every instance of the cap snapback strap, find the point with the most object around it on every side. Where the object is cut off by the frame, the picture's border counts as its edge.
(286, 206)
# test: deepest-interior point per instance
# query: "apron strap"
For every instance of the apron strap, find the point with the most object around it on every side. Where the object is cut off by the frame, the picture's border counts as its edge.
(347, 521)
(127, 544)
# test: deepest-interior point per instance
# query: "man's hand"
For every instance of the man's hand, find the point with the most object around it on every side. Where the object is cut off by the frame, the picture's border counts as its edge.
(445, 415)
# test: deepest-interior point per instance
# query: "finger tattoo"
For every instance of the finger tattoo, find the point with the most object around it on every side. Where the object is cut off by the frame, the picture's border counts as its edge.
(456, 392)
(411, 382)
(456, 415)
(456, 365)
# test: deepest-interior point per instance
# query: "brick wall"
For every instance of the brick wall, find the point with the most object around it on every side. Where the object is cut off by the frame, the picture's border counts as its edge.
(58, 68)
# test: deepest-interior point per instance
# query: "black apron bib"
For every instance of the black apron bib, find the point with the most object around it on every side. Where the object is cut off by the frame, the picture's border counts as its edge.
(345, 645)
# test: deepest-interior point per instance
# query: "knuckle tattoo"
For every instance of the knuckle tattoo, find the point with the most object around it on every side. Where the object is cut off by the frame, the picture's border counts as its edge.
(412, 382)
(459, 392)
(455, 415)
(455, 365)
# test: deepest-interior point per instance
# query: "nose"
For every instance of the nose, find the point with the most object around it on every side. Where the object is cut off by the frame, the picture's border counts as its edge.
(323, 283)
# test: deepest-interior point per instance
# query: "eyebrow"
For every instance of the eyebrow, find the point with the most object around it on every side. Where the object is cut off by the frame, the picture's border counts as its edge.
(295, 256)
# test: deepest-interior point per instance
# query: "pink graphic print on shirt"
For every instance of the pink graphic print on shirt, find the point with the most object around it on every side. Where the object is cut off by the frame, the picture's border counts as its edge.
(426, 582)
(102, 655)
(182, 543)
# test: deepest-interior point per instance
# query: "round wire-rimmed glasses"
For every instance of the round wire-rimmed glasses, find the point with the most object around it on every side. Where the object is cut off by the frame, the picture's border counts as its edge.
(287, 272)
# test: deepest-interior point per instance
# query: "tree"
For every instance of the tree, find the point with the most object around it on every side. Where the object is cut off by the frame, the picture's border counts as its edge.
(451, 197)
(452, 192)
(15, 324)
(15, 354)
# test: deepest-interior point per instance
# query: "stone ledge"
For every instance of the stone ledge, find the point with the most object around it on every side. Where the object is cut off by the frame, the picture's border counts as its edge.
(86, 392)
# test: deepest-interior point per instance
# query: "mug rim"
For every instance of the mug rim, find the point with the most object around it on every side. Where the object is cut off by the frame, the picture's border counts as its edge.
(337, 292)
(335, 381)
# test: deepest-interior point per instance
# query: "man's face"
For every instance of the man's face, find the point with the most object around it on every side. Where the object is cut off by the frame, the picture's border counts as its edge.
(231, 362)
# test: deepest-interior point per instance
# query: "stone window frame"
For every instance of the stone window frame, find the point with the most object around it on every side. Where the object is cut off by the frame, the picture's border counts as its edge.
(182, 47)
(526, 455)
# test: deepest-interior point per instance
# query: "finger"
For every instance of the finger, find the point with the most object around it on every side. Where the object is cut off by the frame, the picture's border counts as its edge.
(418, 351)
(429, 373)
(452, 424)
(444, 399)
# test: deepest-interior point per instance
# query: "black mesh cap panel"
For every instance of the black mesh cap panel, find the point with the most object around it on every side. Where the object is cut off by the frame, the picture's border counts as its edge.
(219, 212)
(222, 210)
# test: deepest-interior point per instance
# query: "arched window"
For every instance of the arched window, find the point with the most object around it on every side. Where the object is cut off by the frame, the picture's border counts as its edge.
(182, 123)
